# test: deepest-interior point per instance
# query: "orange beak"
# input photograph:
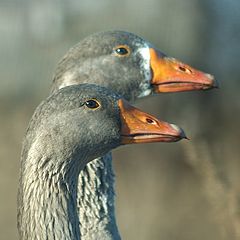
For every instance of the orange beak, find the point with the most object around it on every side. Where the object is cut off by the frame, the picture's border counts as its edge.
(171, 75)
(140, 127)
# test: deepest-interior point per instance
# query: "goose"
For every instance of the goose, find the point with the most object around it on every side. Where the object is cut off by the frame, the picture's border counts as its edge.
(133, 68)
(68, 130)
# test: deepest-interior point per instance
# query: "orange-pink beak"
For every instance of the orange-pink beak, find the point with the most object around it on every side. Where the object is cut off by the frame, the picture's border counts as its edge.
(171, 75)
(140, 127)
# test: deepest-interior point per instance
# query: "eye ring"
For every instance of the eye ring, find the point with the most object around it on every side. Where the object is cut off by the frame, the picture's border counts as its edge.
(122, 51)
(92, 104)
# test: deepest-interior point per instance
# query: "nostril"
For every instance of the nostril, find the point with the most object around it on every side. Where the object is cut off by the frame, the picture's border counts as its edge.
(149, 120)
(183, 69)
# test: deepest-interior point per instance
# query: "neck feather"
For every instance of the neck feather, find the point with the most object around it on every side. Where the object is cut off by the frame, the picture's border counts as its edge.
(96, 200)
(47, 197)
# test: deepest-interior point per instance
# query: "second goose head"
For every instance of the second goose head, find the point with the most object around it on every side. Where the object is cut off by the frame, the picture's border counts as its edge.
(128, 65)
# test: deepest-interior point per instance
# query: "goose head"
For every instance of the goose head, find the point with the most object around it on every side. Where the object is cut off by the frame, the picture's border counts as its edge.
(128, 65)
(93, 120)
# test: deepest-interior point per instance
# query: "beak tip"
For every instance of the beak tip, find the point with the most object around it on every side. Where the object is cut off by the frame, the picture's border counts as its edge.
(176, 128)
(182, 134)
(216, 84)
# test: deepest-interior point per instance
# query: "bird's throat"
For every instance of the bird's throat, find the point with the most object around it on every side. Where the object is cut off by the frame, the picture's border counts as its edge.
(96, 200)
(47, 197)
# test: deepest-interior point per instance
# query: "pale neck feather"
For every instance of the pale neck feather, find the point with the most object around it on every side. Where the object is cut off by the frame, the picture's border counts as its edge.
(47, 196)
(96, 200)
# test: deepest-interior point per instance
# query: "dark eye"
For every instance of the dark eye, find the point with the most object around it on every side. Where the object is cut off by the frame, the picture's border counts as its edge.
(92, 103)
(122, 50)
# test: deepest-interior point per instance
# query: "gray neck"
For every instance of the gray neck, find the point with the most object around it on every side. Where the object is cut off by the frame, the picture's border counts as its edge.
(47, 199)
(96, 200)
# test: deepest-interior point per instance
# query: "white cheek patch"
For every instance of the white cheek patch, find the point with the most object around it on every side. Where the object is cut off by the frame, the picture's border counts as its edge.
(67, 80)
(145, 86)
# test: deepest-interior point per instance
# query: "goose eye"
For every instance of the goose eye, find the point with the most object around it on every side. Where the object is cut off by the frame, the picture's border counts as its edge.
(122, 51)
(92, 104)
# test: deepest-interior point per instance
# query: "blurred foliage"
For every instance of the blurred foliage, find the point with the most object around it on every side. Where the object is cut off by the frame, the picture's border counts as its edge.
(189, 190)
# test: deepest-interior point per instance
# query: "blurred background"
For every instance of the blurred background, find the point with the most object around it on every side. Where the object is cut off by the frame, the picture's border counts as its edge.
(185, 191)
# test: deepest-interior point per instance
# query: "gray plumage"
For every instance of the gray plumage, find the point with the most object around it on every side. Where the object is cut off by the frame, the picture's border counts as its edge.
(62, 137)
